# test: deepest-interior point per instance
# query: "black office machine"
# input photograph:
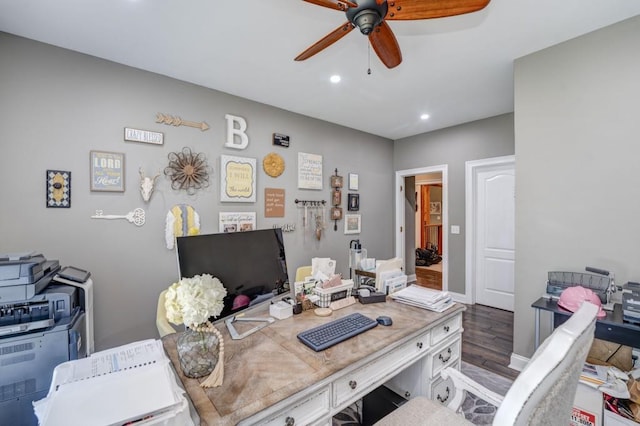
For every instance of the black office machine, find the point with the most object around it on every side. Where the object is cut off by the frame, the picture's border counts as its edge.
(44, 321)
(631, 302)
(601, 282)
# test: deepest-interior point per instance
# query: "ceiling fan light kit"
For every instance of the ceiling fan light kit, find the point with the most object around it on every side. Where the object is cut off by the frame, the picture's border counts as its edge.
(370, 17)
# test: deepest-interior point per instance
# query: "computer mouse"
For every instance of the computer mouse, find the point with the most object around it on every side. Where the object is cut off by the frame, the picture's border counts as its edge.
(384, 320)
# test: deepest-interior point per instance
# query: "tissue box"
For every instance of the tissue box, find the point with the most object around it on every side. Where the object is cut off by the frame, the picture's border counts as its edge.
(280, 310)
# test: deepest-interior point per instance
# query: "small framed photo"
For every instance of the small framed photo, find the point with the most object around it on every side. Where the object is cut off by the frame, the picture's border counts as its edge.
(353, 202)
(352, 223)
(336, 181)
(106, 171)
(353, 182)
(336, 213)
(435, 207)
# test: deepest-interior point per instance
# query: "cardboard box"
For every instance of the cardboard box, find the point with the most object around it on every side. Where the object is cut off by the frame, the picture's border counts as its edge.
(612, 419)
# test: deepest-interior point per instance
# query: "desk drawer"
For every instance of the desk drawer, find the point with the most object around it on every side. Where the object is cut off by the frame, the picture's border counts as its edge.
(303, 412)
(442, 390)
(446, 329)
(355, 384)
(444, 356)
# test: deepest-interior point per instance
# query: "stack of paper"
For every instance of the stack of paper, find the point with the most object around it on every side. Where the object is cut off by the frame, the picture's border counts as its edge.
(130, 383)
(593, 375)
(426, 298)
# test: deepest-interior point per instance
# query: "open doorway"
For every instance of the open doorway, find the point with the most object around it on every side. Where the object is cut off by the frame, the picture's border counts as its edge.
(428, 230)
(417, 191)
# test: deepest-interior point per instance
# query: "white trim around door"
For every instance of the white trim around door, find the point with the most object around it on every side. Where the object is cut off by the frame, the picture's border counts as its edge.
(400, 212)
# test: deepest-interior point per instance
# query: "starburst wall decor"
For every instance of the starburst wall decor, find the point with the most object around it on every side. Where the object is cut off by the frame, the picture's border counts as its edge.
(188, 171)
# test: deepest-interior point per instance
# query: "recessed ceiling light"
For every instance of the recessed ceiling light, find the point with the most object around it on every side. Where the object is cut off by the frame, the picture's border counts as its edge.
(424, 116)
(335, 79)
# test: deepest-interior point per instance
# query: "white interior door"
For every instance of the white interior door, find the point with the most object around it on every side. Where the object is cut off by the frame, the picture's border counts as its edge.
(495, 239)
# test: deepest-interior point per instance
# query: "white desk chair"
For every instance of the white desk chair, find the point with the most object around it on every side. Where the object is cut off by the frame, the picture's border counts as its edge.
(164, 326)
(542, 394)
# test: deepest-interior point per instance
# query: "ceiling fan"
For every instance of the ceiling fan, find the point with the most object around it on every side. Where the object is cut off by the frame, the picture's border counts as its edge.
(370, 17)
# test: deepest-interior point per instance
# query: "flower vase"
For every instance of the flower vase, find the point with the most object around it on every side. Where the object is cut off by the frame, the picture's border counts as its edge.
(198, 352)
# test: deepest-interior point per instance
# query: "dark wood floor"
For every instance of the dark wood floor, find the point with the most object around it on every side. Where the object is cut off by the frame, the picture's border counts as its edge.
(487, 340)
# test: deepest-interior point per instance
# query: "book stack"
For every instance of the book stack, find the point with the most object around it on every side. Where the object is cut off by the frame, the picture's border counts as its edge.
(426, 298)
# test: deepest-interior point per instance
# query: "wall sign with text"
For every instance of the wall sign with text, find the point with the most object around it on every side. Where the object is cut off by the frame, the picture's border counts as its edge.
(237, 179)
(309, 171)
(107, 171)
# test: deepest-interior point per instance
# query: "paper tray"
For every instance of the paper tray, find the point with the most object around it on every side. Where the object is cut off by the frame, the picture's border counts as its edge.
(557, 281)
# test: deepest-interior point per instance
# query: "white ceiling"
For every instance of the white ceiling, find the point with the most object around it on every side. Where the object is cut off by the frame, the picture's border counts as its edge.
(456, 69)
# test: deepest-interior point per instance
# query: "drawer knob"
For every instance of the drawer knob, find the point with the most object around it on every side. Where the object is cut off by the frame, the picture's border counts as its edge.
(441, 358)
(446, 328)
(419, 345)
(353, 384)
(443, 400)
(289, 421)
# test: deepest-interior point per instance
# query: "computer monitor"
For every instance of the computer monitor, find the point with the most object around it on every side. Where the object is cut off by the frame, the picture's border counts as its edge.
(251, 265)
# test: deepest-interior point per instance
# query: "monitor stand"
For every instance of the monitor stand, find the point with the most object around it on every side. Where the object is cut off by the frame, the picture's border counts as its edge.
(237, 336)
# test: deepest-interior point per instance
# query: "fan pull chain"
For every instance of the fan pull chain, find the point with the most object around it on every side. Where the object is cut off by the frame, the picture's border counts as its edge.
(368, 58)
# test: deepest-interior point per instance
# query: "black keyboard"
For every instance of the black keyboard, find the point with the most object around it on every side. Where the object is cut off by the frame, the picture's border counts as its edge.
(326, 335)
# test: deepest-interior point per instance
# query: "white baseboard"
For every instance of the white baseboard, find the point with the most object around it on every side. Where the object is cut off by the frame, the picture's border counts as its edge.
(518, 362)
(460, 298)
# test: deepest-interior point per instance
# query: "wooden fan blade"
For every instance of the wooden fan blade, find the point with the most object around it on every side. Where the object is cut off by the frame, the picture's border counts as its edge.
(421, 9)
(334, 4)
(385, 45)
(326, 41)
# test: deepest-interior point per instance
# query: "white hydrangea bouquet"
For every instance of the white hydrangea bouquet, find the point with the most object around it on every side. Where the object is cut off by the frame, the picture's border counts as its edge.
(192, 301)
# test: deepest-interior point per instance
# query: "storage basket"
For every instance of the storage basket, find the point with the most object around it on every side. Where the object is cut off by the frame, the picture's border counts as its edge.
(328, 295)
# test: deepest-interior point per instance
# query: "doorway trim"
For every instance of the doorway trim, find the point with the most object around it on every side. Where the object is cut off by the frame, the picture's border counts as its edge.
(400, 212)
(471, 171)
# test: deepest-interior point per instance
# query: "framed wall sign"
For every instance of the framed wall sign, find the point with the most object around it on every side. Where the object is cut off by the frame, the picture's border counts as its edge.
(144, 136)
(309, 171)
(353, 182)
(237, 222)
(237, 179)
(106, 171)
(352, 223)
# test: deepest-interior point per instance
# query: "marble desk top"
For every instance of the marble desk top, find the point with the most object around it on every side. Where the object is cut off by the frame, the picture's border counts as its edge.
(270, 365)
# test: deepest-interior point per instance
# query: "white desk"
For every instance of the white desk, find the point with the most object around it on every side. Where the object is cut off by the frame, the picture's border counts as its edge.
(273, 379)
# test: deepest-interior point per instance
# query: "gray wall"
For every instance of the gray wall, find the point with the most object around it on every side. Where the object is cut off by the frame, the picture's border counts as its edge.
(492, 137)
(577, 151)
(57, 105)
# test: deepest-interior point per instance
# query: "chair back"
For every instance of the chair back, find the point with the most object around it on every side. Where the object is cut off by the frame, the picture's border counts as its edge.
(302, 272)
(544, 392)
(162, 323)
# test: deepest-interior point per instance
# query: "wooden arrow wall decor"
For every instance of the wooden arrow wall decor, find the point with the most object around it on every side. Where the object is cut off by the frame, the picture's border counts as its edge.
(174, 120)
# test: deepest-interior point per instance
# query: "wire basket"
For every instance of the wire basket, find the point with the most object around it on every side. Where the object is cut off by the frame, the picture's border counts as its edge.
(328, 295)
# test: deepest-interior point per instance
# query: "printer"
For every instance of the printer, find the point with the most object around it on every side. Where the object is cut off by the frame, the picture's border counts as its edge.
(43, 322)
(601, 282)
(631, 302)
